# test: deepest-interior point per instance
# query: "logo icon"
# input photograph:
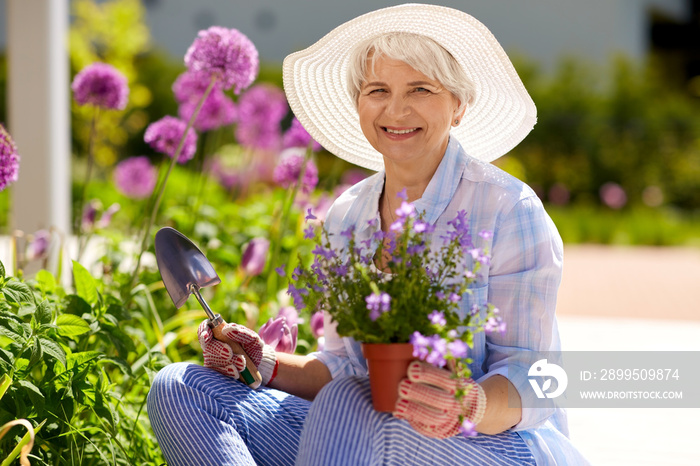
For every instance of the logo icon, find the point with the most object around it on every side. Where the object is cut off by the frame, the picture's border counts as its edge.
(544, 369)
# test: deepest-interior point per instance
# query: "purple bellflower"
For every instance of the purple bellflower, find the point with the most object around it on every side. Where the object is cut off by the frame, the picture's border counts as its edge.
(378, 304)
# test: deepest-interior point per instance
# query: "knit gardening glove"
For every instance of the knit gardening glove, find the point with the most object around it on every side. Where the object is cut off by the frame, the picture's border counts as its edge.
(427, 401)
(220, 357)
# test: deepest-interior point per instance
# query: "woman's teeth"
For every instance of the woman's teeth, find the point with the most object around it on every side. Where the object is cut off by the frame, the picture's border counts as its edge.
(399, 131)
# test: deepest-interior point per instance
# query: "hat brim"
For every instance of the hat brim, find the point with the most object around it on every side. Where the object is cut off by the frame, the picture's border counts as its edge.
(315, 81)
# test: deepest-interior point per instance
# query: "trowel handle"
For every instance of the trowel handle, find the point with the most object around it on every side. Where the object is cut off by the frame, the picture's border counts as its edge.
(250, 374)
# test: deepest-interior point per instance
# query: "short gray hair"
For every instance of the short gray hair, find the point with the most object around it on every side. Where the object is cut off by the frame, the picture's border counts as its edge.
(420, 52)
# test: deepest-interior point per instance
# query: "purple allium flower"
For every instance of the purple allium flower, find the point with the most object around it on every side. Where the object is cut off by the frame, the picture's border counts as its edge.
(280, 335)
(297, 136)
(135, 177)
(9, 159)
(165, 134)
(458, 349)
(260, 111)
(467, 429)
(437, 318)
(353, 176)
(106, 217)
(191, 85)
(317, 324)
(280, 271)
(217, 111)
(613, 195)
(288, 170)
(101, 85)
(402, 195)
(39, 244)
(226, 54)
(420, 344)
(90, 213)
(378, 304)
(255, 256)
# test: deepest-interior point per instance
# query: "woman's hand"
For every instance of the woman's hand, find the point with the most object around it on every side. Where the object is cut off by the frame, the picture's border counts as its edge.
(427, 401)
(220, 357)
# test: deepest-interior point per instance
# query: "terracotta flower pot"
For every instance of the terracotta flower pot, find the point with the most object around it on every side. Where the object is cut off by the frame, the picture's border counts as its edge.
(387, 363)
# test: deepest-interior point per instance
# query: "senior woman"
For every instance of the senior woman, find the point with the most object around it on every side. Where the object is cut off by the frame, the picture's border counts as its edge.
(425, 95)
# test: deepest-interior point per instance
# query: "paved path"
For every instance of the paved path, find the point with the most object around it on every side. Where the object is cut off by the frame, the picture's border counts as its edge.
(632, 299)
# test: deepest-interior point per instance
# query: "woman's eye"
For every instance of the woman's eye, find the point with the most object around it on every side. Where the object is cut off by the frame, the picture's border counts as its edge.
(376, 91)
(421, 89)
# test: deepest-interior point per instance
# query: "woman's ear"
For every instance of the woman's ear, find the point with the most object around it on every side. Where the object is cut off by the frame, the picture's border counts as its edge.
(458, 114)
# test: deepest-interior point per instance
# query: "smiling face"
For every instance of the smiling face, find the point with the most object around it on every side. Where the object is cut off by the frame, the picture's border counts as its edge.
(405, 115)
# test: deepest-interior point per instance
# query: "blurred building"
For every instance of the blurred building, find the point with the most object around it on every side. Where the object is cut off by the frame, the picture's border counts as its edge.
(543, 30)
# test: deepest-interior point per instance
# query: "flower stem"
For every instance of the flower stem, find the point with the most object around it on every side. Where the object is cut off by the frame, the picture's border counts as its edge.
(161, 190)
(287, 207)
(78, 226)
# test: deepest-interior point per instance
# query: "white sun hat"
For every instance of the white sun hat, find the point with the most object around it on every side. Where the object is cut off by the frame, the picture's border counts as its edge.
(315, 81)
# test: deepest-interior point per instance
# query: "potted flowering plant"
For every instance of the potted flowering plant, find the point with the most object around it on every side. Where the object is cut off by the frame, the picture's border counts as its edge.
(415, 308)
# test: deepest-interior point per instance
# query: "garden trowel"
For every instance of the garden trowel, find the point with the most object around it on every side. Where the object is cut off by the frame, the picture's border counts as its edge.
(185, 270)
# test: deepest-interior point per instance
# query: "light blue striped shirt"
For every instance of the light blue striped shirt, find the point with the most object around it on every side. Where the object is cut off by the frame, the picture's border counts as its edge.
(521, 281)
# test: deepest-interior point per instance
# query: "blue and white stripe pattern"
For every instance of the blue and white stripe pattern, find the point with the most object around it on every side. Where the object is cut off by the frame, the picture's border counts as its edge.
(521, 281)
(204, 418)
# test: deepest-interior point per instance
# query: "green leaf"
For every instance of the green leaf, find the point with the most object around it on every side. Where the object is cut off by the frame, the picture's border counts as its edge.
(12, 334)
(70, 325)
(46, 282)
(43, 312)
(35, 395)
(120, 363)
(37, 352)
(85, 285)
(2, 270)
(17, 292)
(77, 306)
(53, 349)
(121, 340)
(78, 359)
(5, 382)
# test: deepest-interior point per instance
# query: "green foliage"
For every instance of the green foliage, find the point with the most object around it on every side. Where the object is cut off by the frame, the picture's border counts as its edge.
(626, 126)
(77, 366)
(634, 226)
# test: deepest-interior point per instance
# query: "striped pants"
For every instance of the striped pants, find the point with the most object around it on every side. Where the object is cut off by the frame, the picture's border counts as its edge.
(201, 417)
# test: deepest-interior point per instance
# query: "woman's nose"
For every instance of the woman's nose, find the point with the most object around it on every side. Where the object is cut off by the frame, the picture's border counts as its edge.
(397, 106)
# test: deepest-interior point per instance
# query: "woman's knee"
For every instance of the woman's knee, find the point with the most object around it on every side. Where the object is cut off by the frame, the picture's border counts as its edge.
(343, 390)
